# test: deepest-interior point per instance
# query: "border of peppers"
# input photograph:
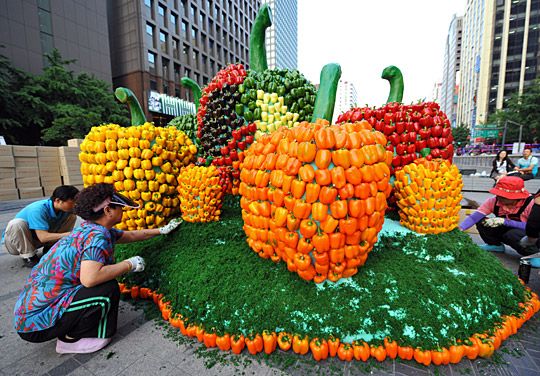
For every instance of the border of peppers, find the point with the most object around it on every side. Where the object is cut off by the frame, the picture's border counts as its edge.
(478, 345)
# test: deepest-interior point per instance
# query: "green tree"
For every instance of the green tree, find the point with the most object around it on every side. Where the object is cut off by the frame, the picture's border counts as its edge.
(524, 109)
(20, 120)
(55, 106)
(461, 135)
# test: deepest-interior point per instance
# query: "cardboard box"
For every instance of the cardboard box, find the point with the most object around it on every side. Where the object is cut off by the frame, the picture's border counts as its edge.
(49, 166)
(75, 142)
(9, 194)
(27, 172)
(6, 150)
(29, 182)
(35, 192)
(7, 172)
(8, 183)
(50, 181)
(72, 180)
(26, 162)
(49, 189)
(24, 151)
(65, 151)
(7, 161)
(47, 151)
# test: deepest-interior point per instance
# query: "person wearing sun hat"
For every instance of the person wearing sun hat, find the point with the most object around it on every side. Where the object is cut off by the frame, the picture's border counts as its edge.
(511, 207)
(72, 293)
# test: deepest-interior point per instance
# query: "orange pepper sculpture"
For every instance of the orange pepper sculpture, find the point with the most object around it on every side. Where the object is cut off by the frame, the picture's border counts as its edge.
(428, 195)
(314, 196)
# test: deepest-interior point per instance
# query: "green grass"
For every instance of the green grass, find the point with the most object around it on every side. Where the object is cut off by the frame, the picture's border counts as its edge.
(423, 291)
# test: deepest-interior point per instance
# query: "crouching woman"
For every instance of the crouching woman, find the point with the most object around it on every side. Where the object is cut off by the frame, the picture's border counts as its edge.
(72, 293)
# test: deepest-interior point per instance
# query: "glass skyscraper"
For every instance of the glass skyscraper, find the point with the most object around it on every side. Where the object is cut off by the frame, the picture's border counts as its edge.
(282, 36)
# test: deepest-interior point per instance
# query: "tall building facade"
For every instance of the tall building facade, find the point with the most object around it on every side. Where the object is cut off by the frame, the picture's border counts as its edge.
(346, 98)
(501, 55)
(282, 36)
(452, 60)
(154, 43)
(78, 29)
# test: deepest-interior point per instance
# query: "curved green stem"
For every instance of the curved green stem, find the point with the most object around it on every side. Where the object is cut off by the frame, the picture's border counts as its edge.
(195, 89)
(125, 95)
(257, 47)
(326, 95)
(395, 78)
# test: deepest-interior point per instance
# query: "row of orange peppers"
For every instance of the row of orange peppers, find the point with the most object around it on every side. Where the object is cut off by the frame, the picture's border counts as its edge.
(478, 345)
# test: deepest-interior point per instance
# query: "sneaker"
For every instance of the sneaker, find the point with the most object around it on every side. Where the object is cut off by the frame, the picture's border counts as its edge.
(492, 248)
(30, 262)
(82, 346)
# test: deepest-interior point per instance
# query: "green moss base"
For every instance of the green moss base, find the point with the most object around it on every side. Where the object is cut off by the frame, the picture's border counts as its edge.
(423, 291)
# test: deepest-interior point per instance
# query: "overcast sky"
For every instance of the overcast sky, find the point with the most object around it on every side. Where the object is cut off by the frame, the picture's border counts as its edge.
(365, 36)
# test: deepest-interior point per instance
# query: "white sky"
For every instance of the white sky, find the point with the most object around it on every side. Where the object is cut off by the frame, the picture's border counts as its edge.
(365, 36)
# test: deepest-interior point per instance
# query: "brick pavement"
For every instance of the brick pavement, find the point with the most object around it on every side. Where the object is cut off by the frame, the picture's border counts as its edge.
(142, 347)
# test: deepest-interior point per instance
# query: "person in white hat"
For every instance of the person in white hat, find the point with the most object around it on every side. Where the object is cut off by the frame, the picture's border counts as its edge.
(72, 293)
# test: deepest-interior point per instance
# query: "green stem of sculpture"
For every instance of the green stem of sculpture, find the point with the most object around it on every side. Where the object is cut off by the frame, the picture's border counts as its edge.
(257, 47)
(195, 89)
(326, 95)
(395, 78)
(125, 95)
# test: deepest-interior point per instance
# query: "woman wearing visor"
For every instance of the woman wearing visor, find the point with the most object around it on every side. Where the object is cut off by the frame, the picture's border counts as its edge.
(72, 293)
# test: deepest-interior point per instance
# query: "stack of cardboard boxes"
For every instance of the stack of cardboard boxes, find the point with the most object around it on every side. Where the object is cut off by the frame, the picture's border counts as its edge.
(35, 171)
(8, 189)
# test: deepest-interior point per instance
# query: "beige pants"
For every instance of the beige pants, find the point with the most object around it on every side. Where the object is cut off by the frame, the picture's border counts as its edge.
(18, 238)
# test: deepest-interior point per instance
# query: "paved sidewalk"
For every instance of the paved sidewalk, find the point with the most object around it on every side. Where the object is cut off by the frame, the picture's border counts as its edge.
(141, 347)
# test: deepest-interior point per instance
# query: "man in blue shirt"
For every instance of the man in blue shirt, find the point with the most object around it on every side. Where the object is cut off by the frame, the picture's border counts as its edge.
(41, 224)
(527, 166)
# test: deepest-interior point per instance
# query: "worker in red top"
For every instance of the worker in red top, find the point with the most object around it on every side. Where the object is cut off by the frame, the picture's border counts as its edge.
(511, 207)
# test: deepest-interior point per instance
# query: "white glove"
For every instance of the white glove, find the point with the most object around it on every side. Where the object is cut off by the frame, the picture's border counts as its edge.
(137, 263)
(527, 242)
(172, 225)
(494, 222)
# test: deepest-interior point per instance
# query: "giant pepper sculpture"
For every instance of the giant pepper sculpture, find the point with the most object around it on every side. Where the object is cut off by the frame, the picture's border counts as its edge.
(239, 105)
(314, 196)
(142, 161)
(428, 195)
(200, 193)
(412, 131)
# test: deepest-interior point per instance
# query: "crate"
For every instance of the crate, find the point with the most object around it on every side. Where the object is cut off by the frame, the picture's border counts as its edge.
(50, 181)
(34, 192)
(27, 172)
(9, 194)
(49, 166)
(7, 172)
(24, 151)
(75, 142)
(8, 183)
(29, 182)
(6, 150)
(7, 161)
(72, 179)
(26, 162)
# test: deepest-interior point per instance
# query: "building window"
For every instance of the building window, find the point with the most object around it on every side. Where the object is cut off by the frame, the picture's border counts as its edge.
(197, 78)
(211, 45)
(148, 3)
(184, 28)
(193, 35)
(152, 62)
(174, 19)
(184, 8)
(177, 76)
(153, 85)
(187, 72)
(163, 42)
(150, 30)
(196, 59)
(176, 53)
(201, 20)
(193, 12)
(165, 70)
(161, 10)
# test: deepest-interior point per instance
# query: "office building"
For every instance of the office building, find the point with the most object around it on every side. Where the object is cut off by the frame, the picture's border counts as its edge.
(282, 36)
(29, 29)
(154, 43)
(436, 95)
(500, 55)
(346, 98)
(452, 59)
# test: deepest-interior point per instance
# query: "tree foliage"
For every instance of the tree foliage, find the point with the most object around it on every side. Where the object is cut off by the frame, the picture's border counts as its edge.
(54, 106)
(525, 110)
(461, 135)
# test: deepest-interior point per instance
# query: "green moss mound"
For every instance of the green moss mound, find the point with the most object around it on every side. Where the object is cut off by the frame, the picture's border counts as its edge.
(423, 291)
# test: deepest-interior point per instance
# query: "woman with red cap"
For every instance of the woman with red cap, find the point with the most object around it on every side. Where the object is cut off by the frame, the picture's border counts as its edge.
(511, 207)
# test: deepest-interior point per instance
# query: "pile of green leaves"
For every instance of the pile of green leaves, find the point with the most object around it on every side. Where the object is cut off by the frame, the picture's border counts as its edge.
(423, 291)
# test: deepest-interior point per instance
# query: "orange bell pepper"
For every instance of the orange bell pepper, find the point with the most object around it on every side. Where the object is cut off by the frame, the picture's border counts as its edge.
(237, 343)
(308, 228)
(269, 341)
(361, 350)
(333, 345)
(319, 349)
(391, 348)
(345, 352)
(300, 344)
(284, 341)
(210, 339)
(254, 344)
(223, 342)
